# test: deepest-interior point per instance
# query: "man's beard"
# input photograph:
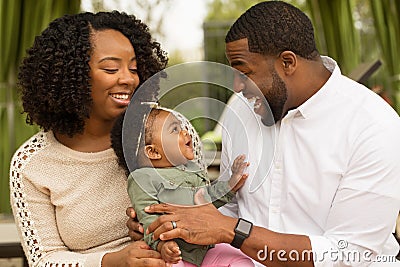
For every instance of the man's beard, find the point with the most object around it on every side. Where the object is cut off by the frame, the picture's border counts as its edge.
(276, 99)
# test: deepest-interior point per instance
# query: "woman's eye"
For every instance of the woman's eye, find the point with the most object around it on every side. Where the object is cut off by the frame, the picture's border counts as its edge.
(110, 70)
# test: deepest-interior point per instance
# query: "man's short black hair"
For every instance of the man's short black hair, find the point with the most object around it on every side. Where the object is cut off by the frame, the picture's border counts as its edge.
(273, 27)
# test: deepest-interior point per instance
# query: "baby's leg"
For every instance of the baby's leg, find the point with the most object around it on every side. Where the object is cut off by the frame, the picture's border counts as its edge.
(183, 264)
(224, 255)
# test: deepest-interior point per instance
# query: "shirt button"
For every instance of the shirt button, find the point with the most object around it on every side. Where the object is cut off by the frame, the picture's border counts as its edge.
(274, 210)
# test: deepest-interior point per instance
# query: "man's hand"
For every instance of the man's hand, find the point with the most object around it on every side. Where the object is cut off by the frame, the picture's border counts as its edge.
(135, 228)
(203, 225)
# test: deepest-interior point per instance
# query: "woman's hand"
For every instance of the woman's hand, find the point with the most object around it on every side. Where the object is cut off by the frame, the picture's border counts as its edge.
(135, 228)
(137, 254)
(202, 225)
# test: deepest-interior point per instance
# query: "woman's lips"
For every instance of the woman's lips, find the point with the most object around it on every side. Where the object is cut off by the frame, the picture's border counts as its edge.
(121, 98)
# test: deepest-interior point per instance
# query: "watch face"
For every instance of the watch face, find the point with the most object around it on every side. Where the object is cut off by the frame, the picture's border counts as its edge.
(243, 227)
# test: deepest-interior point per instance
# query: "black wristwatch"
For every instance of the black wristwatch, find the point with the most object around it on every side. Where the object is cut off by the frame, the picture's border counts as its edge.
(242, 231)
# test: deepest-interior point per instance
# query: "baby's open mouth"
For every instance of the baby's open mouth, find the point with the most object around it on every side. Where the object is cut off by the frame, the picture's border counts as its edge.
(255, 100)
(189, 143)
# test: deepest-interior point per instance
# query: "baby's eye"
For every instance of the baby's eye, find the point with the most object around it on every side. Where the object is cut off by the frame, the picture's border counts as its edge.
(176, 129)
(133, 70)
(243, 76)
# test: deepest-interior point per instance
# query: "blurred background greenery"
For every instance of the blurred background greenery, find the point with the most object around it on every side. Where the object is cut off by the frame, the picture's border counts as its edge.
(353, 32)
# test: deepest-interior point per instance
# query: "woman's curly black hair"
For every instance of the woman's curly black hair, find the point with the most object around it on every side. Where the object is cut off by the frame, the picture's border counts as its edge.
(116, 142)
(54, 76)
(273, 27)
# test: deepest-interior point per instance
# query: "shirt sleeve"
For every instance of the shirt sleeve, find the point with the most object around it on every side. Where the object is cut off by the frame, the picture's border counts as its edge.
(220, 193)
(143, 193)
(365, 206)
(38, 230)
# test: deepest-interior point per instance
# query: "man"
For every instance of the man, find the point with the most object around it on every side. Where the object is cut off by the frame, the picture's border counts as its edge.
(329, 195)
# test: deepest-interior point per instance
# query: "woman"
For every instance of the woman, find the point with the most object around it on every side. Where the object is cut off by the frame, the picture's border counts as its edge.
(68, 194)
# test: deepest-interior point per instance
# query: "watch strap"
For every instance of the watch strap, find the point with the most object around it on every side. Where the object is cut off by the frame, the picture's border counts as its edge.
(238, 240)
(240, 236)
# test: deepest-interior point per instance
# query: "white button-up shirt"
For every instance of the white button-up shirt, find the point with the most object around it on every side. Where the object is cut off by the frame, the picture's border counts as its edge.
(330, 169)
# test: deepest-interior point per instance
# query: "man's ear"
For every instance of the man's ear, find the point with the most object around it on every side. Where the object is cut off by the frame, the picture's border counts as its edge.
(289, 61)
(151, 152)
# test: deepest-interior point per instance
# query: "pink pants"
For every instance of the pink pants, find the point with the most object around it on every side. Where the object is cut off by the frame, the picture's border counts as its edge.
(223, 255)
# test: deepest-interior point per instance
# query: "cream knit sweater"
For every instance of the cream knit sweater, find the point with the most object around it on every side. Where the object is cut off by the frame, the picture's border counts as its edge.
(69, 206)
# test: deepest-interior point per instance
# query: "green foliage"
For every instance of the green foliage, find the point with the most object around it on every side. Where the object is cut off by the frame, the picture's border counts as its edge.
(357, 31)
(228, 10)
(338, 38)
(20, 22)
(387, 25)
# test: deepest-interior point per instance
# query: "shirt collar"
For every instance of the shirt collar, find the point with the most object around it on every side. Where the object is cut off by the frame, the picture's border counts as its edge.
(311, 105)
(190, 166)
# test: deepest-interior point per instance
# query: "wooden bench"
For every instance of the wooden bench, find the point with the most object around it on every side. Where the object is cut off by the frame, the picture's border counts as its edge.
(10, 245)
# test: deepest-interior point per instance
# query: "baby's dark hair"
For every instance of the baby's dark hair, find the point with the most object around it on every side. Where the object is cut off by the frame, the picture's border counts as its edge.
(54, 76)
(273, 27)
(148, 128)
(140, 130)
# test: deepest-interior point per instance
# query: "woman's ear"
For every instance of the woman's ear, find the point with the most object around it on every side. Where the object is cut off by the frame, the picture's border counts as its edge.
(151, 152)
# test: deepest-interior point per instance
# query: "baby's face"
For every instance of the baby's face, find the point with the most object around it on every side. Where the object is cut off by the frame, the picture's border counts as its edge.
(174, 143)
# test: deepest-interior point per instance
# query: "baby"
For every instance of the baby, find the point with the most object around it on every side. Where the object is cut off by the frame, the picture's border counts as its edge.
(166, 173)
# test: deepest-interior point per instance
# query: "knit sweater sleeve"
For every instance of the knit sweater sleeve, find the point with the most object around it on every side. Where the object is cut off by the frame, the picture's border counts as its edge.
(35, 217)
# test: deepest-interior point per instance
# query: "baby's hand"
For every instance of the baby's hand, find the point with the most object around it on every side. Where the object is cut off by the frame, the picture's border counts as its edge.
(170, 252)
(238, 178)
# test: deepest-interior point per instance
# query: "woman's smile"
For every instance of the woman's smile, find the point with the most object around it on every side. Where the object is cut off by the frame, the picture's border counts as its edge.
(121, 98)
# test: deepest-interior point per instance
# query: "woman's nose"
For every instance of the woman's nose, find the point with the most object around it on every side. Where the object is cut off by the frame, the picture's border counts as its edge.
(129, 78)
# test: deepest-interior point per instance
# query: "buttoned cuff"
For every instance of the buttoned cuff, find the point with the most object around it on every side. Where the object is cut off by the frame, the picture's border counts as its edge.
(322, 251)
